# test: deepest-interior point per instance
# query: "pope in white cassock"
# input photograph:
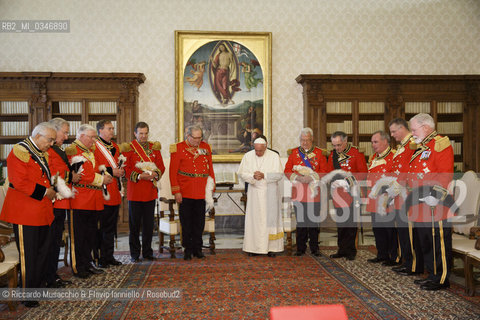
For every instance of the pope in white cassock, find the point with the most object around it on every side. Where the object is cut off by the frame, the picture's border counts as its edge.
(262, 169)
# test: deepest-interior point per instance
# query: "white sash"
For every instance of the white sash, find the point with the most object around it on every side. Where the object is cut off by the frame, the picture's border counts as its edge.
(107, 154)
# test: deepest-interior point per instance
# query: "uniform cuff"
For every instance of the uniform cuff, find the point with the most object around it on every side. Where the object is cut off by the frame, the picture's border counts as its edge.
(39, 192)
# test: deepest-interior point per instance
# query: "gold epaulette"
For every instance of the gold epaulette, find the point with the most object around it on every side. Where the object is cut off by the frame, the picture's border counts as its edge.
(325, 152)
(413, 146)
(157, 146)
(125, 147)
(289, 151)
(173, 148)
(71, 150)
(370, 158)
(441, 143)
(21, 153)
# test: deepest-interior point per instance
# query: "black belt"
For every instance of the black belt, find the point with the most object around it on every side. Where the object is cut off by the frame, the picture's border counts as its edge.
(193, 175)
(88, 186)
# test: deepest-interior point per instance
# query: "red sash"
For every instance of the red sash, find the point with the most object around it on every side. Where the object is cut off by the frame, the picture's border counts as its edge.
(139, 150)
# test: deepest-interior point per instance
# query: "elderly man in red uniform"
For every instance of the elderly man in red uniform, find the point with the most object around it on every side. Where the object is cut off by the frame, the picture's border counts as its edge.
(431, 168)
(107, 153)
(190, 167)
(382, 221)
(347, 158)
(58, 163)
(88, 201)
(410, 250)
(144, 168)
(304, 167)
(28, 204)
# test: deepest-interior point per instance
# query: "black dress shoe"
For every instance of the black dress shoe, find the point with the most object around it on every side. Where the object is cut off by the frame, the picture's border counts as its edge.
(94, 270)
(151, 258)
(31, 304)
(398, 268)
(299, 253)
(54, 285)
(389, 263)
(272, 254)
(187, 256)
(406, 272)
(103, 264)
(351, 257)
(376, 260)
(337, 255)
(199, 254)
(63, 282)
(114, 262)
(434, 286)
(135, 260)
(316, 253)
(251, 254)
(422, 281)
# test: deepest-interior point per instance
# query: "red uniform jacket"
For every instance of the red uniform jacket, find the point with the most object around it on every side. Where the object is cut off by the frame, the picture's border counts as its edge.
(89, 196)
(431, 164)
(115, 197)
(142, 190)
(378, 165)
(58, 165)
(301, 192)
(350, 160)
(25, 202)
(400, 164)
(190, 168)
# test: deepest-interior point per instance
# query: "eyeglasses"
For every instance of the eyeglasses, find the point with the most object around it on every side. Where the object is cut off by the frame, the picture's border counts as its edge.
(196, 138)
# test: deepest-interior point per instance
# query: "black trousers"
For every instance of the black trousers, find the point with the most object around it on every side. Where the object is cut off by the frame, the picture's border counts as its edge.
(83, 228)
(192, 219)
(308, 225)
(401, 222)
(108, 226)
(33, 247)
(346, 231)
(441, 257)
(55, 234)
(141, 215)
(385, 234)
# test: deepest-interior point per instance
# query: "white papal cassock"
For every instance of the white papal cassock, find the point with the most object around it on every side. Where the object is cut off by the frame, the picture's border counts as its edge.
(263, 219)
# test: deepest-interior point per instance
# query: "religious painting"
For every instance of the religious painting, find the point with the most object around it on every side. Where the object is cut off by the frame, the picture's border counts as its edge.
(223, 85)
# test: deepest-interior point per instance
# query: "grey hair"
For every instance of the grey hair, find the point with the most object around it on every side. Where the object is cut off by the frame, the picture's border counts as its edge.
(340, 134)
(382, 134)
(42, 128)
(306, 131)
(58, 123)
(84, 128)
(190, 129)
(424, 119)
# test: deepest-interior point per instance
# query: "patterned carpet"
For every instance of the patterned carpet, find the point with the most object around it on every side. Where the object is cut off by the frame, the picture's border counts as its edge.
(231, 285)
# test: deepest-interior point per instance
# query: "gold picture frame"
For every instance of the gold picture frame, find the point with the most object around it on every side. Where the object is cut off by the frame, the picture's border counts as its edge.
(223, 84)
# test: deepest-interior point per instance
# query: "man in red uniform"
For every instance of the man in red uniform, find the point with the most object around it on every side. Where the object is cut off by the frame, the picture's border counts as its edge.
(107, 153)
(190, 167)
(382, 222)
(432, 165)
(28, 204)
(58, 163)
(410, 250)
(87, 204)
(304, 166)
(144, 168)
(347, 158)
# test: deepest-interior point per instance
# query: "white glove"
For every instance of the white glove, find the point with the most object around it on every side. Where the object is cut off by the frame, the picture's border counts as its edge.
(430, 201)
(395, 189)
(340, 184)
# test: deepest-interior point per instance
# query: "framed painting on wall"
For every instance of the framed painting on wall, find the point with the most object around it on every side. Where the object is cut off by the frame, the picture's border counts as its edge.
(223, 85)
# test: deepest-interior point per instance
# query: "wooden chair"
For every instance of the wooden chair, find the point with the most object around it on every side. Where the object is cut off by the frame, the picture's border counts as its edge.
(467, 195)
